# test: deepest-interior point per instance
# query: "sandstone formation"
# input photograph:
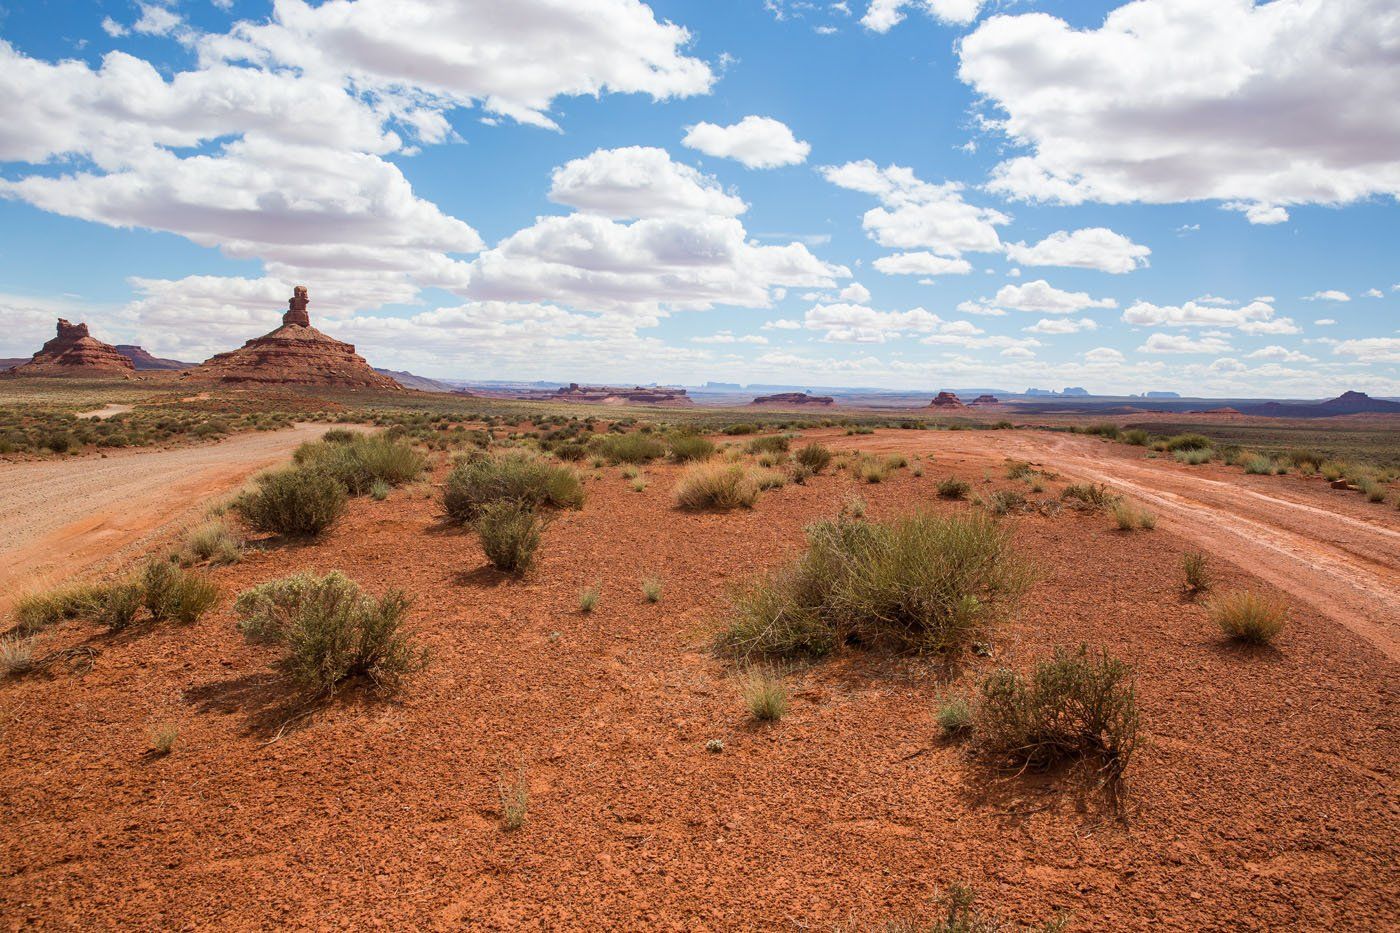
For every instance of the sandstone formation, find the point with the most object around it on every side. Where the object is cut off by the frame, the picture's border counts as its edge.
(614, 395)
(294, 354)
(946, 400)
(143, 361)
(795, 399)
(74, 352)
(985, 399)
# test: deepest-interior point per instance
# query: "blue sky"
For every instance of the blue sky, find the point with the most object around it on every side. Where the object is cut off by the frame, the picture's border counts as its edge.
(1189, 195)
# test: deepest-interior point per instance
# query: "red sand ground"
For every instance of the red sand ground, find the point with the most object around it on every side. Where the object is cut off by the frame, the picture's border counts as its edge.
(1265, 798)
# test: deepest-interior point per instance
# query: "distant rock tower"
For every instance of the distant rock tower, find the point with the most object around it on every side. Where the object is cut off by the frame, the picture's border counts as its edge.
(296, 308)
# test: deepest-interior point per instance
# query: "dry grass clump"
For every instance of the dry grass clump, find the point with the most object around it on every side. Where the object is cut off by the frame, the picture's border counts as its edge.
(295, 502)
(1258, 465)
(690, 447)
(38, 609)
(768, 444)
(954, 716)
(919, 583)
(868, 469)
(359, 460)
(1194, 457)
(515, 800)
(765, 695)
(651, 589)
(163, 738)
(1089, 495)
(1128, 515)
(514, 477)
(332, 631)
(1195, 568)
(1253, 618)
(211, 543)
(16, 656)
(169, 592)
(815, 457)
(954, 488)
(1188, 442)
(1002, 501)
(635, 447)
(1136, 437)
(588, 599)
(1075, 704)
(717, 486)
(510, 534)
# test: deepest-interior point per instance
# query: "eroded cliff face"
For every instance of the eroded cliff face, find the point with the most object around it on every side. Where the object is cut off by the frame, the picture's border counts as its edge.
(73, 351)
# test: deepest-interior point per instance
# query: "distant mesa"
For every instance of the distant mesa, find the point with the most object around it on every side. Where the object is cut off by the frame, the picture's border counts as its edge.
(946, 400)
(795, 400)
(985, 400)
(144, 362)
(294, 354)
(1348, 403)
(664, 396)
(421, 383)
(74, 352)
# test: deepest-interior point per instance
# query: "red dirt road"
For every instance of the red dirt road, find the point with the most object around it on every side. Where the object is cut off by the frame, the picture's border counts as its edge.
(1331, 549)
(59, 517)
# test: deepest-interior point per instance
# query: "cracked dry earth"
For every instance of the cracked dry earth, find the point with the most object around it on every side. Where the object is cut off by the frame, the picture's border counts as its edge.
(1265, 798)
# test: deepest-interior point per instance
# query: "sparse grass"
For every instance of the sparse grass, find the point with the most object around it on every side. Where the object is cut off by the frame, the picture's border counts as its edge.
(1136, 437)
(38, 609)
(640, 484)
(651, 589)
(332, 631)
(1194, 457)
(1073, 705)
(295, 502)
(515, 799)
(1372, 490)
(768, 444)
(358, 461)
(954, 488)
(1003, 501)
(769, 479)
(1089, 495)
(379, 490)
(815, 457)
(121, 605)
(868, 469)
(690, 447)
(954, 716)
(512, 477)
(1258, 465)
(169, 592)
(16, 656)
(635, 447)
(211, 543)
(163, 737)
(764, 692)
(1016, 469)
(510, 533)
(716, 486)
(768, 461)
(1128, 515)
(919, 583)
(1188, 442)
(1254, 618)
(588, 599)
(1195, 568)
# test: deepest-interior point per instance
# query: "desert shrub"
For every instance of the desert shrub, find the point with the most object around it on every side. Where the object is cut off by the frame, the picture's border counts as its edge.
(332, 631)
(1107, 430)
(651, 589)
(1372, 490)
(1137, 437)
(765, 694)
(743, 427)
(630, 448)
(920, 583)
(1333, 470)
(1073, 705)
(954, 716)
(1195, 568)
(588, 599)
(799, 473)
(770, 460)
(1249, 617)
(815, 457)
(1091, 495)
(511, 477)
(121, 605)
(954, 488)
(1258, 465)
(1003, 501)
(1306, 457)
(211, 543)
(168, 592)
(1188, 442)
(295, 502)
(1017, 469)
(16, 656)
(688, 447)
(362, 459)
(769, 479)
(1128, 515)
(1194, 457)
(38, 610)
(510, 533)
(339, 436)
(868, 469)
(716, 486)
(769, 444)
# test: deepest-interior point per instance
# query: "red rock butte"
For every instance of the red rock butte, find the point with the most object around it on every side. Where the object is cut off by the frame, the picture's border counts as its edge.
(795, 400)
(294, 354)
(946, 400)
(74, 352)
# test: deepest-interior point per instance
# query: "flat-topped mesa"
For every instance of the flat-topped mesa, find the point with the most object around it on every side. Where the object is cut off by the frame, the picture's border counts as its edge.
(985, 399)
(73, 351)
(294, 354)
(665, 396)
(946, 400)
(794, 400)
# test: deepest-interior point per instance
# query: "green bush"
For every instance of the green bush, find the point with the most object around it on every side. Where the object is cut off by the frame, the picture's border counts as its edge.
(1258, 465)
(814, 457)
(1076, 704)
(630, 448)
(919, 583)
(295, 502)
(954, 717)
(332, 631)
(687, 447)
(769, 444)
(743, 427)
(172, 593)
(716, 486)
(514, 477)
(121, 605)
(510, 533)
(360, 460)
(1188, 442)
(1137, 437)
(1194, 457)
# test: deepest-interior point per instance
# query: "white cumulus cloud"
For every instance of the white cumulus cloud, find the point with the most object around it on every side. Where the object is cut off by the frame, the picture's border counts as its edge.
(1045, 298)
(757, 142)
(1181, 343)
(884, 15)
(1089, 248)
(639, 181)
